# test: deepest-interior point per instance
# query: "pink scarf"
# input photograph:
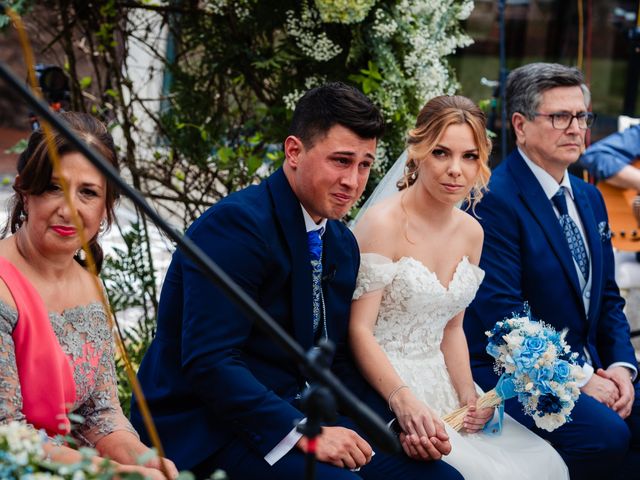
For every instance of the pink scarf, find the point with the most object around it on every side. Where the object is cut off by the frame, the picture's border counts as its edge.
(44, 370)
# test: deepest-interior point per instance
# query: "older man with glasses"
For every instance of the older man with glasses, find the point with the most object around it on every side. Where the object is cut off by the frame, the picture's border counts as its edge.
(547, 243)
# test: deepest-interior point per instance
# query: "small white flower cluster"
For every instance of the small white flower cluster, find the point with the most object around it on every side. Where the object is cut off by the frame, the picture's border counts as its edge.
(313, 43)
(22, 456)
(384, 26)
(314, 81)
(216, 7)
(242, 8)
(21, 441)
(344, 11)
(291, 99)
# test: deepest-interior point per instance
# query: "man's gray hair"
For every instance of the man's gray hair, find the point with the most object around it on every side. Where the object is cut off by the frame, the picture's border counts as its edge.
(526, 84)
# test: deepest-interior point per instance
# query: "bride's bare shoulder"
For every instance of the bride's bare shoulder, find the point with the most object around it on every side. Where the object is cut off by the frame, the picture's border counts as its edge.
(471, 231)
(377, 228)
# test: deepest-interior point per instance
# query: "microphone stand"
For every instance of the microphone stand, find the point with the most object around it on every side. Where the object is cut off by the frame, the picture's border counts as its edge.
(371, 424)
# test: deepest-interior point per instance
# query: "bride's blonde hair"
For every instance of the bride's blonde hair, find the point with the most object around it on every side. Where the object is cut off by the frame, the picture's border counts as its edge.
(434, 118)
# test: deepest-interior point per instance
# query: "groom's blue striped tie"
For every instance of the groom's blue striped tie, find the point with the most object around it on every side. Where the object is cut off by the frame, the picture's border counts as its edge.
(315, 253)
(572, 233)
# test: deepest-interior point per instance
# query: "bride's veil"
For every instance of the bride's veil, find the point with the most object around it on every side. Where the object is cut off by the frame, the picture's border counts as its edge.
(386, 187)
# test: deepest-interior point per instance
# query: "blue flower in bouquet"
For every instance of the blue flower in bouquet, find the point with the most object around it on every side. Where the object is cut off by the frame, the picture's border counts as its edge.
(549, 403)
(499, 330)
(525, 360)
(535, 345)
(561, 371)
(542, 374)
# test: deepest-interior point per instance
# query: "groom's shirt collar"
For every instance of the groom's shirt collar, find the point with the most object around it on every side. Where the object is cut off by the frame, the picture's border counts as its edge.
(546, 181)
(311, 225)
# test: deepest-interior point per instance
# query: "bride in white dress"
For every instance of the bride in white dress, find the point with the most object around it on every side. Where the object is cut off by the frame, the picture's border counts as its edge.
(418, 273)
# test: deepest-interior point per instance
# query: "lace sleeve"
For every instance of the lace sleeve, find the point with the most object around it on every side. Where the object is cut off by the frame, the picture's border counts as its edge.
(11, 404)
(376, 272)
(102, 412)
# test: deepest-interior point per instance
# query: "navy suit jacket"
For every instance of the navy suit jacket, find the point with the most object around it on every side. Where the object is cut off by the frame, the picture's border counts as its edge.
(526, 258)
(211, 375)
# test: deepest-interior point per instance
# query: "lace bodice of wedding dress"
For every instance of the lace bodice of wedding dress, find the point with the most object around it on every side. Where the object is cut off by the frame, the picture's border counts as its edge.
(414, 311)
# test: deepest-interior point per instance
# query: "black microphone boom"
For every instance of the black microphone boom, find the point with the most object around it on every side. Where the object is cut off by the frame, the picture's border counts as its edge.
(361, 413)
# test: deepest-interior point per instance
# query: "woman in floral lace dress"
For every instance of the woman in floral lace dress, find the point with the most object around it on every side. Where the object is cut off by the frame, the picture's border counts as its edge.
(417, 275)
(56, 347)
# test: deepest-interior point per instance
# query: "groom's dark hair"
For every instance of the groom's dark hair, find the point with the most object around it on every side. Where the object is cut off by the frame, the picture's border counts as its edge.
(335, 104)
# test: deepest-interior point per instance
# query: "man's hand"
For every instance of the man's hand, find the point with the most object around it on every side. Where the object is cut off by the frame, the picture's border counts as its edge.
(602, 389)
(341, 447)
(622, 378)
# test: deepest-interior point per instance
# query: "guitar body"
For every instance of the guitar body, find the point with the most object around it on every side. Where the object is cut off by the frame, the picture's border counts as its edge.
(625, 231)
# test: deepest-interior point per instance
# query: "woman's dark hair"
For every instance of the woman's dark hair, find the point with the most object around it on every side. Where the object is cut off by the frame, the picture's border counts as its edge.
(335, 104)
(35, 170)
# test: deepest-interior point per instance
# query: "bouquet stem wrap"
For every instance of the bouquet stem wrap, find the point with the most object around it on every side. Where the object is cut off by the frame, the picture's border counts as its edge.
(504, 390)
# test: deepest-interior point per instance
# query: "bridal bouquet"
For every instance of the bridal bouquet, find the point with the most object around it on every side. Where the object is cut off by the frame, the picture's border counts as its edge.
(537, 367)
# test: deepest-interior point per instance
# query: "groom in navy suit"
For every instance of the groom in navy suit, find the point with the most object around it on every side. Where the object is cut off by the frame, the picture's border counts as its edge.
(222, 393)
(547, 242)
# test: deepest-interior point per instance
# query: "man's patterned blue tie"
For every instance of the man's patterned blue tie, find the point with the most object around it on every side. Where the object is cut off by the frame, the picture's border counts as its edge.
(572, 233)
(315, 253)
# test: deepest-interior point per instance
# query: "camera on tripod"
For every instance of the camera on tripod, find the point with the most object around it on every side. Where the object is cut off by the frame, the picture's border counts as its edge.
(54, 85)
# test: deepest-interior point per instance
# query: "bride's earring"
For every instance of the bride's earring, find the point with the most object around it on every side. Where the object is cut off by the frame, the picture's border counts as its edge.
(103, 226)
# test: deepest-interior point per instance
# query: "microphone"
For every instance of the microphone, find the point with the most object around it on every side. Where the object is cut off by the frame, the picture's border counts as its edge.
(331, 273)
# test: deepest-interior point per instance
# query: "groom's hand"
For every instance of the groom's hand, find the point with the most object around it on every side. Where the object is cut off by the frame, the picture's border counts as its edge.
(341, 447)
(622, 378)
(602, 389)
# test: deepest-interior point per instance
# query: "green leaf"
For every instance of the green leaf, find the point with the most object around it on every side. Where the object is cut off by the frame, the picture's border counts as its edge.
(85, 82)
(19, 147)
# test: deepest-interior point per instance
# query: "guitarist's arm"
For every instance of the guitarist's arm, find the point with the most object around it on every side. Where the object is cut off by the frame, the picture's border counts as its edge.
(611, 158)
(628, 177)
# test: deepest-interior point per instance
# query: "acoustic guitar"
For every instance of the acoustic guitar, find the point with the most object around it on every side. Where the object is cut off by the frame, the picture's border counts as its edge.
(625, 227)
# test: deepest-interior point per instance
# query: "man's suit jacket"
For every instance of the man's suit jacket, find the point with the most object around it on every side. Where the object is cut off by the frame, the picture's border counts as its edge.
(211, 375)
(526, 258)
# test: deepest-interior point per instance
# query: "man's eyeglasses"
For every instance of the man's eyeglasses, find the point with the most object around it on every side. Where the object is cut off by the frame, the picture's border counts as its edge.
(562, 120)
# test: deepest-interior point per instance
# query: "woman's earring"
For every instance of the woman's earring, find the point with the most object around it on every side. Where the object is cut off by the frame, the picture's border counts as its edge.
(103, 226)
(22, 217)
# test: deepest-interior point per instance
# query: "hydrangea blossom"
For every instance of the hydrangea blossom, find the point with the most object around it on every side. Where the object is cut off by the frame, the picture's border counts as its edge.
(343, 11)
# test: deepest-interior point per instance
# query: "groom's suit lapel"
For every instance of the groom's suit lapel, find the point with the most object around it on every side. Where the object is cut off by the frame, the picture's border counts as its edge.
(289, 216)
(536, 201)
